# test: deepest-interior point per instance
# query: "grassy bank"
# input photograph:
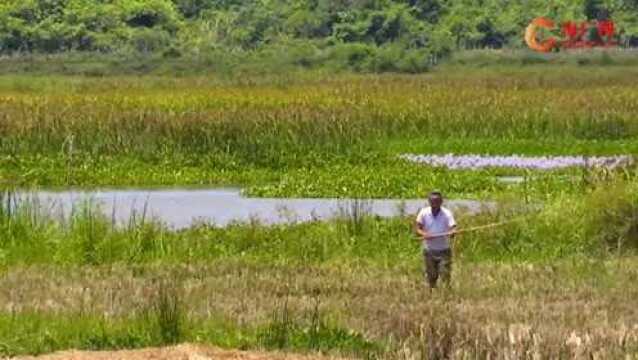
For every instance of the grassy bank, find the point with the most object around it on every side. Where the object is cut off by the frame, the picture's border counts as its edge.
(597, 223)
(517, 58)
(297, 59)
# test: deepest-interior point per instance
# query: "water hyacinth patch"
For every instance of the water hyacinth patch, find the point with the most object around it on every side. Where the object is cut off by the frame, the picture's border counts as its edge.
(474, 161)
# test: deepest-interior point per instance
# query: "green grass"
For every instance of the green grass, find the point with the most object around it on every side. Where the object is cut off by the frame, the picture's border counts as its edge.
(564, 227)
(39, 333)
(517, 59)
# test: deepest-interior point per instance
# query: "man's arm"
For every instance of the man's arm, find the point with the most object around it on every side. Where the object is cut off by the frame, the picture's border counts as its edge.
(419, 229)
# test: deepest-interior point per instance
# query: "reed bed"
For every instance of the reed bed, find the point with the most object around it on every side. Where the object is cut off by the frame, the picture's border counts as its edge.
(240, 120)
(158, 131)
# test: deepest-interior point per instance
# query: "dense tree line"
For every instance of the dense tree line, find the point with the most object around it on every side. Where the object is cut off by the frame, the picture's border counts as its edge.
(411, 30)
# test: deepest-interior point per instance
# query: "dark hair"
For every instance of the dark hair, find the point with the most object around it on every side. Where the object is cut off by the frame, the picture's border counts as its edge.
(435, 193)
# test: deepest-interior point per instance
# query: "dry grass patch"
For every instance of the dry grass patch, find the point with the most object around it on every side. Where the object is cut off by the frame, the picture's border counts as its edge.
(548, 310)
(180, 352)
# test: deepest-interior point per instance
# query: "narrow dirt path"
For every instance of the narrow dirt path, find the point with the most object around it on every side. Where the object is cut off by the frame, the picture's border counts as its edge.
(180, 352)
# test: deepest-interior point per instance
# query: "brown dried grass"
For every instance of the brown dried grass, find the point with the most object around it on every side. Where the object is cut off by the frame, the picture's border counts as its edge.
(506, 311)
(179, 352)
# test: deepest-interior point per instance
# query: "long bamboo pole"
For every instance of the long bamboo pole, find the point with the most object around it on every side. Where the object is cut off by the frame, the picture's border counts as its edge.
(472, 229)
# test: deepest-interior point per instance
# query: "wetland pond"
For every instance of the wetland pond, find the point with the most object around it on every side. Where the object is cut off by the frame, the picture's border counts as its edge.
(182, 208)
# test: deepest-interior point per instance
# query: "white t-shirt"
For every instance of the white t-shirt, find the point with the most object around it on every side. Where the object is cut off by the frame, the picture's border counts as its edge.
(441, 223)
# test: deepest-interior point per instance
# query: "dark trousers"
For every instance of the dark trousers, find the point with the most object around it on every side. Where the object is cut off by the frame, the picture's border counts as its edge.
(438, 263)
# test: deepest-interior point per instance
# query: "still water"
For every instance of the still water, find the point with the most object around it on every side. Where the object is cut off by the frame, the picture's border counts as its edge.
(181, 208)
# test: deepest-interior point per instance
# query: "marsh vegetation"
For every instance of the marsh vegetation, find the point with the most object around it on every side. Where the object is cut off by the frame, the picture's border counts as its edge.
(556, 282)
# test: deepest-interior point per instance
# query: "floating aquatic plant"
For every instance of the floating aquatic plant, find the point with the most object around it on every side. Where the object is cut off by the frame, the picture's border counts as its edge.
(452, 161)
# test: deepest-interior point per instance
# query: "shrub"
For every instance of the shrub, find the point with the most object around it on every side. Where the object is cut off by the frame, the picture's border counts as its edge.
(612, 217)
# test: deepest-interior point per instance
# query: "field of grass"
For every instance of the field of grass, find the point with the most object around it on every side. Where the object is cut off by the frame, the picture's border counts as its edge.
(318, 136)
(523, 309)
(556, 283)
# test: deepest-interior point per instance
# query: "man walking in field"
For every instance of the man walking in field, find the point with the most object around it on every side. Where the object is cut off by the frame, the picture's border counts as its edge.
(435, 225)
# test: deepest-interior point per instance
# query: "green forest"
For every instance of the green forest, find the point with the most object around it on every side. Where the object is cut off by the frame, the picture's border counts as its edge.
(380, 35)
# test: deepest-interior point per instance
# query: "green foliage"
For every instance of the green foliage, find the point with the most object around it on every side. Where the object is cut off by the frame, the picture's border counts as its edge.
(54, 26)
(613, 219)
(168, 311)
(313, 333)
(592, 9)
(381, 35)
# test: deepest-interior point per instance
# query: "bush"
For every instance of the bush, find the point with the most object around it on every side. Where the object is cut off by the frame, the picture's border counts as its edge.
(148, 40)
(351, 55)
(151, 14)
(612, 217)
(395, 58)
